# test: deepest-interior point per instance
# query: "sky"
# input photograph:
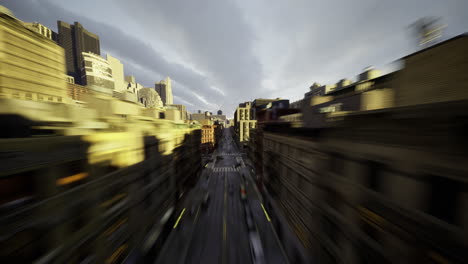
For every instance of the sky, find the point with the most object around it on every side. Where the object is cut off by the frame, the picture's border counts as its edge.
(220, 53)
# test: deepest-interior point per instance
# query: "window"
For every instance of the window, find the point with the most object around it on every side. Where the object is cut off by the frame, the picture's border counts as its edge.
(374, 172)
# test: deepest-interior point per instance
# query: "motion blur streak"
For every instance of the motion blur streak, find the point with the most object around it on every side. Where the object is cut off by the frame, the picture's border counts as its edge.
(97, 168)
(73, 178)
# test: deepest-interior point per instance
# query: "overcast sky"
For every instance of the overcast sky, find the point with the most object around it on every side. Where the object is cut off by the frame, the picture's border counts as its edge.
(221, 52)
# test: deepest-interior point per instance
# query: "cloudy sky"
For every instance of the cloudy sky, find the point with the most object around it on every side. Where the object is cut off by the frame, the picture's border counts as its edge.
(223, 52)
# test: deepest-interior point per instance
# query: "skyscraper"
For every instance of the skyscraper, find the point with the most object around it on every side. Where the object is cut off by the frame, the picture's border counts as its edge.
(164, 89)
(75, 40)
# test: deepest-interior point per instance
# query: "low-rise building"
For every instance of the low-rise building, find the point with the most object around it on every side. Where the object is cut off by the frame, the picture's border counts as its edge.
(244, 121)
(207, 139)
(173, 114)
(182, 109)
(149, 98)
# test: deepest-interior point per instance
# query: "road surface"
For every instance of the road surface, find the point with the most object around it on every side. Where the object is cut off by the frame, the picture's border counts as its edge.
(218, 231)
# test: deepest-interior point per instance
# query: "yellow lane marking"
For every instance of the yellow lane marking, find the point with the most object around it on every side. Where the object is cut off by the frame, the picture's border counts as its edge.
(224, 231)
(178, 219)
(112, 229)
(266, 214)
(73, 178)
(116, 254)
(113, 200)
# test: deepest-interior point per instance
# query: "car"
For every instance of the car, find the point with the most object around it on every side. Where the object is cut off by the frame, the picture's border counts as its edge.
(256, 249)
(243, 193)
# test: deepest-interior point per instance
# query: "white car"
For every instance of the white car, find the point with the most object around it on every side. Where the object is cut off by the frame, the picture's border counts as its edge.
(256, 249)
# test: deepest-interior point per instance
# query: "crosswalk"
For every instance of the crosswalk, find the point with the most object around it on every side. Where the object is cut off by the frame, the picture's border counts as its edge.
(225, 169)
(229, 154)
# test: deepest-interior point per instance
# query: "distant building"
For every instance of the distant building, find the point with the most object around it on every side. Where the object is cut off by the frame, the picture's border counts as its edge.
(219, 119)
(117, 73)
(261, 104)
(131, 88)
(75, 40)
(206, 122)
(41, 29)
(70, 79)
(164, 89)
(182, 109)
(172, 114)
(22, 74)
(244, 121)
(343, 83)
(297, 104)
(97, 73)
(76, 92)
(199, 116)
(220, 112)
(207, 138)
(149, 98)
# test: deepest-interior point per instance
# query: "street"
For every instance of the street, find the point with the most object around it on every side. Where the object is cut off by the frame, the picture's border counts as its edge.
(225, 229)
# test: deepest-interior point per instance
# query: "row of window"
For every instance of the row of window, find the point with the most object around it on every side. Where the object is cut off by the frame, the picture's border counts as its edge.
(36, 97)
(444, 193)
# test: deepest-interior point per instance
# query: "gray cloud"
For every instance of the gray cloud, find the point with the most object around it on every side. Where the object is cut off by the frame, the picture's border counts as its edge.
(221, 53)
(325, 41)
(212, 35)
(138, 57)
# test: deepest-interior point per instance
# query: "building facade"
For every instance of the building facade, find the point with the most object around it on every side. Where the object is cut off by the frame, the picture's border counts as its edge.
(75, 91)
(244, 121)
(385, 184)
(164, 89)
(149, 98)
(173, 114)
(75, 40)
(182, 109)
(97, 74)
(21, 78)
(42, 30)
(117, 73)
(130, 90)
(207, 138)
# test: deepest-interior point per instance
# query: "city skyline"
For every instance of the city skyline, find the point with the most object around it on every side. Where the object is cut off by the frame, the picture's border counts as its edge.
(240, 61)
(362, 168)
